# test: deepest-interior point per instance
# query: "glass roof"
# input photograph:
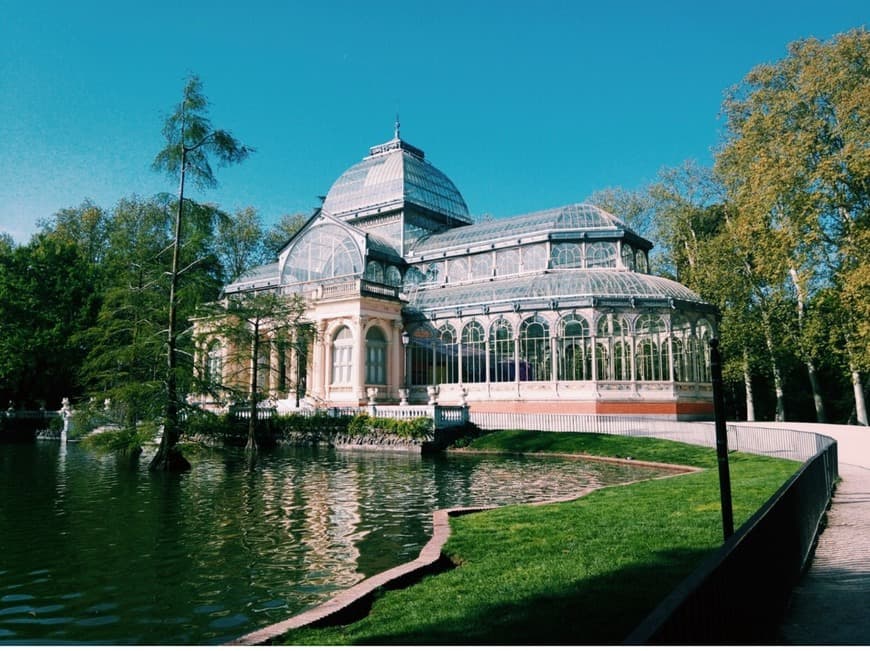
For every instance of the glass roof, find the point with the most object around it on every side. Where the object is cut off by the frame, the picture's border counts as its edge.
(266, 274)
(562, 284)
(392, 174)
(574, 217)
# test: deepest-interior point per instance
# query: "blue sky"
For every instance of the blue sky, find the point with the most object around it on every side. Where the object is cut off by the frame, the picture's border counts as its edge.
(524, 105)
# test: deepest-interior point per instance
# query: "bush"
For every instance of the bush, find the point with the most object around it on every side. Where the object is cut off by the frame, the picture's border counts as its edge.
(364, 425)
(128, 440)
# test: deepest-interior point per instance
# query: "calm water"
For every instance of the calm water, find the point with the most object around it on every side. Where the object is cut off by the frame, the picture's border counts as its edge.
(96, 549)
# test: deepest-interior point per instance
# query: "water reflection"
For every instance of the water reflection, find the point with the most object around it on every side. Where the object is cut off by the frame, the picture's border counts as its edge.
(95, 549)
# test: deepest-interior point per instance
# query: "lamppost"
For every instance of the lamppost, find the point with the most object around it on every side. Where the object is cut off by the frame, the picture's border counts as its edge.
(405, 392)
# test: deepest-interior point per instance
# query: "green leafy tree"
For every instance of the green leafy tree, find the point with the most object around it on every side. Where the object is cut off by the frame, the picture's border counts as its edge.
(191, 143)
(634, 207)
(46, 296)
(240, 244)
(84, 225)
(125, 346)
(796, 163)
(280, 233)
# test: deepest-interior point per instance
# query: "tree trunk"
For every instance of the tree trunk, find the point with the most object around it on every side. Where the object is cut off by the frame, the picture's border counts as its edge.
(168, 457)
(811, 368)
(821, 417)
(774, 367)
(747, 383)
(255, 357)
(858, 389)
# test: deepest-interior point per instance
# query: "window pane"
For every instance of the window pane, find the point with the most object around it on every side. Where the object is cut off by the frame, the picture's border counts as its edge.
(473, 353)
(501, 352)
(566, 255)
(376, 357)
(507, 262)
(535, 257)
(535, 349)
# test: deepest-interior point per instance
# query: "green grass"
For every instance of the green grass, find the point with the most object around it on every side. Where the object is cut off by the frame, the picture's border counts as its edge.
(585, 571)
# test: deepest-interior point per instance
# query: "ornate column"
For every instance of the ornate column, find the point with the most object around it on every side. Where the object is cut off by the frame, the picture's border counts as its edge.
(395, 376)
(320, 361)
(359, 359)
(274, 370)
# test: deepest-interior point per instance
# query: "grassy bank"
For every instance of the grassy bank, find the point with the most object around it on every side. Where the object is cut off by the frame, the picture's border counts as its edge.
(585, 571)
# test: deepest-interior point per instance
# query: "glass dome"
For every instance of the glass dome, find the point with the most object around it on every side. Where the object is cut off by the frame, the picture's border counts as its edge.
(393, 174)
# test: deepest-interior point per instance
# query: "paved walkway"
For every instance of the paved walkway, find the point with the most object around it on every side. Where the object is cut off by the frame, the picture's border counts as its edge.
(831, 603)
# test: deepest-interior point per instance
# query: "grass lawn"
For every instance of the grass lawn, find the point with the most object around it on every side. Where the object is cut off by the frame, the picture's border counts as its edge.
(585, 571)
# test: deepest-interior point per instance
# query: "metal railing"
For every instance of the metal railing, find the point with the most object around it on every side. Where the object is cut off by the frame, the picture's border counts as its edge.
(739, 594)
(786, 444)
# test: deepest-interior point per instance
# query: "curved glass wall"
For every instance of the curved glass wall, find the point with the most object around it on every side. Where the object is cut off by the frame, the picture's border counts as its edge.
(619, 348)
(322, 253)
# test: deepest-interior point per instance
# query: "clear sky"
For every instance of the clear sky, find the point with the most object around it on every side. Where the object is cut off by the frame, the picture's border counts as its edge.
(524, 105)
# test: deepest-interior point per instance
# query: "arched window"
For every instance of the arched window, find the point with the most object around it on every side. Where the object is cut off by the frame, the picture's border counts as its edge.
(375, 272)
(640, 262)
(342, 357)
(603, 365)
(575, 354)
(613, 334)
(473, 353)
(393, 277)
(600, 254)
(422, 351)
(680, 362)
(535, 349)
(214, 365)
(501, 352)
(652, 354)
(376, 356)
(447, 359)
(705, 334)
(264, 366)
(566, 255)
(323, 252)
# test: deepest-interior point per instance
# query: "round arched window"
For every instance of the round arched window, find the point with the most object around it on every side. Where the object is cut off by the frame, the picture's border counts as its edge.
(324, 252)
(376, 356)
(342, 357)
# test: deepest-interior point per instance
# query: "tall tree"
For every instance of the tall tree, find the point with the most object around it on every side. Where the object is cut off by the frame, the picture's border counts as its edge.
(190, 144)
(250, 327)
(796, 162)
(46, 296)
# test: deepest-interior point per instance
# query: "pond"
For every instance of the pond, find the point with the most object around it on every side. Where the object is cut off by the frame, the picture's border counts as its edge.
(96, 549)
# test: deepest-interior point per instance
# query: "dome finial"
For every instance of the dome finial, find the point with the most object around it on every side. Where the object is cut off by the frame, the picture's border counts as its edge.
(398, 124)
